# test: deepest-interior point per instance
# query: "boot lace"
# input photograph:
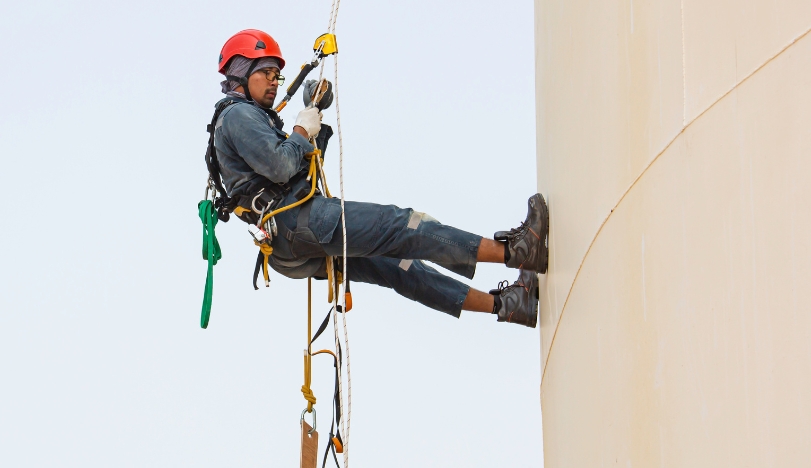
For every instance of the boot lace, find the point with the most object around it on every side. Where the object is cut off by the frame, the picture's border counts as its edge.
(505, 286)
(519, 231)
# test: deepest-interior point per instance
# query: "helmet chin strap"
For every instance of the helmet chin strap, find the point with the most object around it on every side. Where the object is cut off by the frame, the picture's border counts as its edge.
(243, 80)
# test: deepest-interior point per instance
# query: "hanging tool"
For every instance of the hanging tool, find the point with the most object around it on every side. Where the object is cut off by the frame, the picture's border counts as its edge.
(324, 46)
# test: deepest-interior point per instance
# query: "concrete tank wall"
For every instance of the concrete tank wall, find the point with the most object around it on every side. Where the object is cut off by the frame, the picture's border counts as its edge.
(674, 147)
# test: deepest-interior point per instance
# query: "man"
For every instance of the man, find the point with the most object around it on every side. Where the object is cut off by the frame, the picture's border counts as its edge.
(386, 244)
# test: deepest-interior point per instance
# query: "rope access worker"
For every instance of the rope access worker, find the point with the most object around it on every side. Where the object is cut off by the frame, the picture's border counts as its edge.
(386, 245)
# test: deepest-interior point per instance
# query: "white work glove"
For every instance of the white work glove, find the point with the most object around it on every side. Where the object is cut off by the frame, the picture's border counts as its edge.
(310, 120)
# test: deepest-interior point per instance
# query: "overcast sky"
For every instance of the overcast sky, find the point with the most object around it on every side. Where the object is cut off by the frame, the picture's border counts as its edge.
(103, 130)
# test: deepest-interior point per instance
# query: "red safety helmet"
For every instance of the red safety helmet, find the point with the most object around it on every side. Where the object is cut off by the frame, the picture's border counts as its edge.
(252, 44)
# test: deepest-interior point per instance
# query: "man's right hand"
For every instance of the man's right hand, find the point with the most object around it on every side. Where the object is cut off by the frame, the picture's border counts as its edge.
(309, 120)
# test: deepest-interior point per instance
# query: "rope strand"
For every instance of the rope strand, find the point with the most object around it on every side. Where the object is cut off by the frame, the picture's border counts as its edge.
(345, 277)
(345, 421)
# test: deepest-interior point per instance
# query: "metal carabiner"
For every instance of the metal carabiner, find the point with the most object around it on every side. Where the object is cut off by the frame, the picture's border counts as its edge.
(210, 187)
(270, 232)
(302, 420)
(265, 227)
(253, 203)
(273, 229)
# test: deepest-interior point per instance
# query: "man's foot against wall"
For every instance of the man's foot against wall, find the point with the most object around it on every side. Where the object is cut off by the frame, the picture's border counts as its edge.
(518, 303)
(528, 244)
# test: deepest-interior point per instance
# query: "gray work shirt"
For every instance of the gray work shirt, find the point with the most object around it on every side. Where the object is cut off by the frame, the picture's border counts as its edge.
(250, 148)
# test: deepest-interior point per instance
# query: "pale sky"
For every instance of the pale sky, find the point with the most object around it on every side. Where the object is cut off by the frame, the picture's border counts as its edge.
(103, 360)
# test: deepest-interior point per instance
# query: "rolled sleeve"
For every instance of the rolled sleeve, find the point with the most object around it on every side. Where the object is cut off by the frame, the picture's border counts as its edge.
(305, 143)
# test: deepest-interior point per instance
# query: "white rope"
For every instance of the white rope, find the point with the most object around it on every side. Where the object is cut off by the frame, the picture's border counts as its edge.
(346, 420)
(345, 277)
(340, 373)
(333, 16)
(330, 29)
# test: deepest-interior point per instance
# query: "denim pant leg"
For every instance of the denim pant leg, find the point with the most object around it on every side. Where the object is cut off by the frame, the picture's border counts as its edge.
(389, 231)
(412, 279)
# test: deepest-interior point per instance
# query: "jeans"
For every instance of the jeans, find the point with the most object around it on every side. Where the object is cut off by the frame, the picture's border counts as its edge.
(386, 246)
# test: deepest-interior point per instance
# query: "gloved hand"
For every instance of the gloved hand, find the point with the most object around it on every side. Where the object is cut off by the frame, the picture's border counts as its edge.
(310, 120)
(309, 89)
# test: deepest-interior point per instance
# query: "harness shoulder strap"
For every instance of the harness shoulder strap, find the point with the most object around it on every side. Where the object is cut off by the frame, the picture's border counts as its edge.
(213, 164)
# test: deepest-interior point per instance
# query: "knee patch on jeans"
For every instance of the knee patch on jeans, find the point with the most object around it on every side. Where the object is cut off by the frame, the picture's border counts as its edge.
(406, 264)
(305, 244)
(417, 218)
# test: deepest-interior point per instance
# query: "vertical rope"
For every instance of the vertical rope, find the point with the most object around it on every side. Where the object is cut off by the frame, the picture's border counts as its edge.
(345, 421)
(333, 16)
(345, 277)
(340, 375)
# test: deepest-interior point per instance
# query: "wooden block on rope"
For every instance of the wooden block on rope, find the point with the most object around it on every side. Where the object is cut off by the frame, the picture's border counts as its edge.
(309, 446)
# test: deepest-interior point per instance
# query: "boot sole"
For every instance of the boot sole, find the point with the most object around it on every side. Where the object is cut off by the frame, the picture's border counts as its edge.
(542, 263)
(543, 256)
(535, 294)
(545, 240)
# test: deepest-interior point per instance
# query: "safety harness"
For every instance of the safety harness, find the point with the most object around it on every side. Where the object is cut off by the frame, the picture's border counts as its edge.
(259, 204)
(222, 202)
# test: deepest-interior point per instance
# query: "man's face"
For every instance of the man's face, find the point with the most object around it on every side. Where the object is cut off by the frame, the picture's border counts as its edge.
(264, 84)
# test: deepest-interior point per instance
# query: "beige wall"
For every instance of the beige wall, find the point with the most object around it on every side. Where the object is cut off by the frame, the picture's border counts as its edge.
(674, 147)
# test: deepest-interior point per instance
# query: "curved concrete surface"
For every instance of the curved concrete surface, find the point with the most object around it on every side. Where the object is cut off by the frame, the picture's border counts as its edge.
(674, 147)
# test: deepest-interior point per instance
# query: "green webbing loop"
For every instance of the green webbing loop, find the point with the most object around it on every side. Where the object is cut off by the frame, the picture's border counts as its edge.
(211, 252)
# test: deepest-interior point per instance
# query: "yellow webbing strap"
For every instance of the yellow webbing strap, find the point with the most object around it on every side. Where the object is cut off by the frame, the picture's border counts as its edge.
(310, 174)
(334, 280)
(330, 297)
(267, 251)
(305, 389)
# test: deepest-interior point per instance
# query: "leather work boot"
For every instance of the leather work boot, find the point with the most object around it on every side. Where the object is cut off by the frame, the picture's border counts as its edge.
(518, 303)
(528, 243)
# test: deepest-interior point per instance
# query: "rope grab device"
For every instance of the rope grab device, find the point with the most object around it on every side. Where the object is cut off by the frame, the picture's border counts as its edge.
(325, 45)
(259, 211)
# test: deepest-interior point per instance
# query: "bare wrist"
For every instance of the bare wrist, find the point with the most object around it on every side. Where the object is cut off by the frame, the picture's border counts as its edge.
(300, 130)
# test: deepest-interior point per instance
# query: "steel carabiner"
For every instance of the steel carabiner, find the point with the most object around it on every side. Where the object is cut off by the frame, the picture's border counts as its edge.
(210, 187)
(253, 203)
(302, 420)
